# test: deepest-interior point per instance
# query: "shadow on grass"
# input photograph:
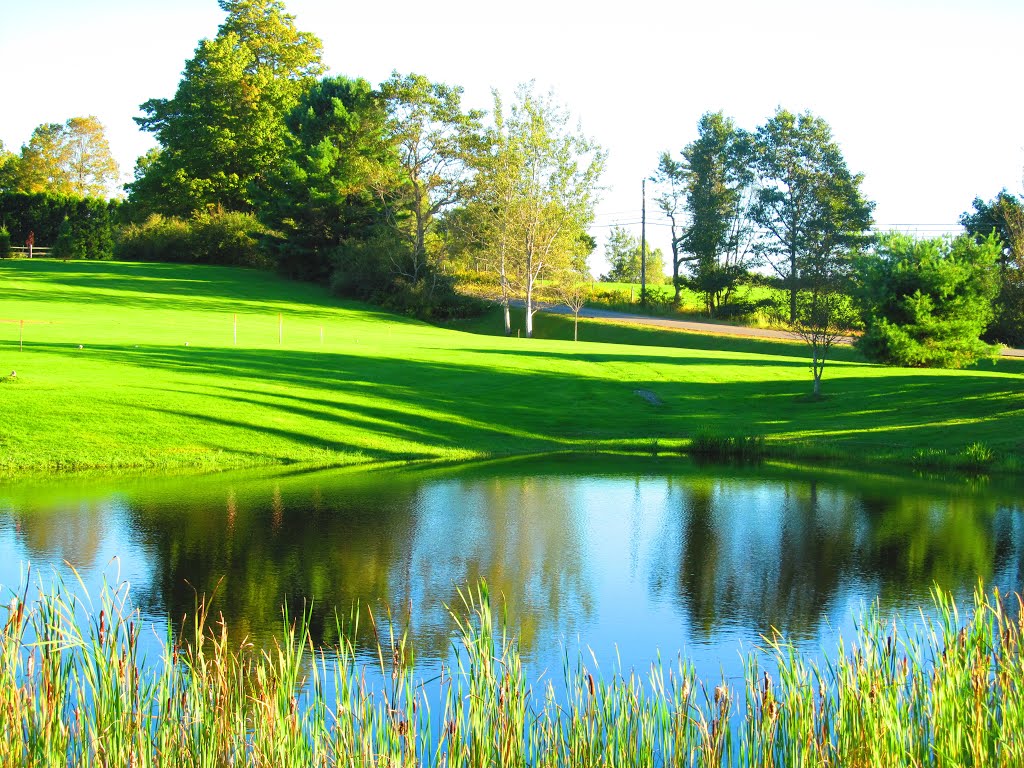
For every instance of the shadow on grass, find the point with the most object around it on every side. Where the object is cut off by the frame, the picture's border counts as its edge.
(560, 327)
(197, 287)
(498, 407)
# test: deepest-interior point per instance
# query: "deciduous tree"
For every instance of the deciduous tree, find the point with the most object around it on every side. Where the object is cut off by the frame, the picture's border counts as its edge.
(223, 131)
(808, 204)
(1004, 215)
(622, 251)
(536, 192)
(434, 141)
(718, 179)
(72, 158)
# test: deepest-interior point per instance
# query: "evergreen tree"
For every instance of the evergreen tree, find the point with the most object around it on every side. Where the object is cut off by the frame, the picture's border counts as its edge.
(927, 302)
(321, 196)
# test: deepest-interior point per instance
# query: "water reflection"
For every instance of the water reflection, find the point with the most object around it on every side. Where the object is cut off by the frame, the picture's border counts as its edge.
(638, 554)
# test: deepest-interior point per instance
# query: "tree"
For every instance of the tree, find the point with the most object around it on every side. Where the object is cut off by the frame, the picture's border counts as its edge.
(8, 170)
(223, 131)
(717, 180)
(808, 204)
(824, 316)
(927, 302)
(705, 197)
(622, 250)
(322, 193)
(671, 175)
(1004, 216)
(72, 158)
(537, 188)
(434, 141)
(573, 286)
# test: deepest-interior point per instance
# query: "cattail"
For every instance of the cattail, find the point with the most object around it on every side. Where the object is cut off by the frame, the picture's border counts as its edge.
(103, 626)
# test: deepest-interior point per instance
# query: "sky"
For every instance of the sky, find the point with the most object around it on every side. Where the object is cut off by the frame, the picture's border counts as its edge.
(923, 96)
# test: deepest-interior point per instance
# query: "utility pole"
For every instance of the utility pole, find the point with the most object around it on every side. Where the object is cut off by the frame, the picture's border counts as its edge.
(643, 243)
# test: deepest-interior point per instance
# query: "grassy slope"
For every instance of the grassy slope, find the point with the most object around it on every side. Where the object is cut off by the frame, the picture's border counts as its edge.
(386, 388)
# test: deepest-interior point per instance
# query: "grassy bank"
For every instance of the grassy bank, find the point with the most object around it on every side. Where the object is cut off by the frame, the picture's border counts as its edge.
(75, 692)
(136, 366)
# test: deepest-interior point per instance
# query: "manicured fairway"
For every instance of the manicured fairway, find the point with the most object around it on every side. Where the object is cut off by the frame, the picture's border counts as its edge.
(381, 387)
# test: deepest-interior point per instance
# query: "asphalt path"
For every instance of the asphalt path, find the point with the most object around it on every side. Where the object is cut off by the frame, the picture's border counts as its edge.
(716, 329)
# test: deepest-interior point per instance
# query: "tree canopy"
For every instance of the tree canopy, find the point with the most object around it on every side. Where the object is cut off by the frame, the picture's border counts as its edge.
(807, 203)
(622, 251)
(927, 302)
(538, 185)
(1003, 216)
(223, 130)
(70, 158)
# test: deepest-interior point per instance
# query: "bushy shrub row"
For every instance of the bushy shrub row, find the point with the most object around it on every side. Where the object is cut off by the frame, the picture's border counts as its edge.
(77, 227)
(230, 238)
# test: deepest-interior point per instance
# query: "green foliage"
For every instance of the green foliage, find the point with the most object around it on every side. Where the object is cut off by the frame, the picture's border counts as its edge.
(320, 196)
(435, 144)
(73, 158)
(88, 233)
(219, 237)
(622, 250)
(708, 445)
(716, 176)
(8, 170)
(937, 693)
(534, 193)
(5, 243)
(67, 246)
(927, 302)
(224, 130)
(807, 203)
(1003, 216)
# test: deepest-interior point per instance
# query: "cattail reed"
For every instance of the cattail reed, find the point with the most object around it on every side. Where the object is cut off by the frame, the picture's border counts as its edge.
(942, 693)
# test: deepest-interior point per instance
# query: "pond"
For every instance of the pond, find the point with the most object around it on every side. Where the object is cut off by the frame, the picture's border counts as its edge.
(624, 557)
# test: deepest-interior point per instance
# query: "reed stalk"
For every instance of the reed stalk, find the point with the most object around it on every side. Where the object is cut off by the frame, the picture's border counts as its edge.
(943, 692)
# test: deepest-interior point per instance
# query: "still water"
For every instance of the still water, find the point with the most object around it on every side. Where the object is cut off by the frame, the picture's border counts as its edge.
(624, 557)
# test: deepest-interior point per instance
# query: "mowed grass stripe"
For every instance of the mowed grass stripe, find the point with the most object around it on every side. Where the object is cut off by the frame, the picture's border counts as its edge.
(381, 387)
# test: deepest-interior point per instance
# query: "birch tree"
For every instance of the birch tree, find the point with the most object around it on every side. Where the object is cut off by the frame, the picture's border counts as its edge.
(540, 184)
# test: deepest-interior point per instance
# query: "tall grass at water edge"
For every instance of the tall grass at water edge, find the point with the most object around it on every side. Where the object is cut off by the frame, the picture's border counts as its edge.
(75, 692)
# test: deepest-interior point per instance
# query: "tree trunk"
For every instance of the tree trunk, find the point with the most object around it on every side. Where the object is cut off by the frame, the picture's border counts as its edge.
(508, 319)
(576, 327)
(529, 312)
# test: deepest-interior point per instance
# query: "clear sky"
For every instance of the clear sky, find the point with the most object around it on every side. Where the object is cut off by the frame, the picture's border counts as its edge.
(922, 95)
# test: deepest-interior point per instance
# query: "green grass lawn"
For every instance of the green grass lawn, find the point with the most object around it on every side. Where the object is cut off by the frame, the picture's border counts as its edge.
(387, 388)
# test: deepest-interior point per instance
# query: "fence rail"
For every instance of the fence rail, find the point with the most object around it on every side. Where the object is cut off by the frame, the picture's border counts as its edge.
(24, 250)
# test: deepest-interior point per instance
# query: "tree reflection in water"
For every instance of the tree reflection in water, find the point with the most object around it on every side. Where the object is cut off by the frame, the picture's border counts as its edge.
(574, 547)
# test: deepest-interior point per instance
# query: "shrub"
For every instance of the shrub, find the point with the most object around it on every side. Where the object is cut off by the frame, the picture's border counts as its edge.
(5, 243)
(220, 237)
(88, 232)
(927, 302)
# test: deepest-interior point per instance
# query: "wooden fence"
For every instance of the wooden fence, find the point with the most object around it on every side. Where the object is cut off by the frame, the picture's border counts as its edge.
(24, 250)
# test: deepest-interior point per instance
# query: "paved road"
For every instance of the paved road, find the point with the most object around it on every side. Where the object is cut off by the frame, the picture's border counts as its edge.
(717, 329)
